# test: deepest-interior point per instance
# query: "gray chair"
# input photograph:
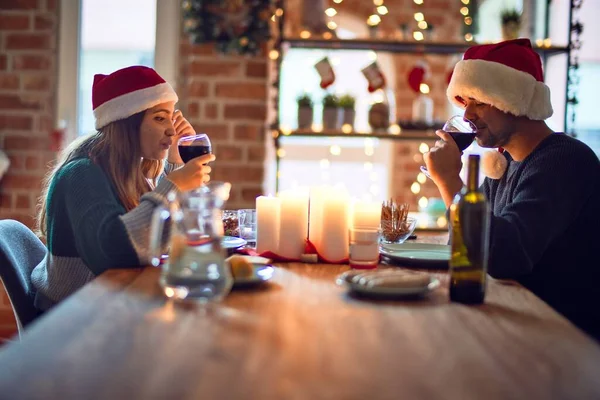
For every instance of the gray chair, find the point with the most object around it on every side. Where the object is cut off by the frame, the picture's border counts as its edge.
(20, 252)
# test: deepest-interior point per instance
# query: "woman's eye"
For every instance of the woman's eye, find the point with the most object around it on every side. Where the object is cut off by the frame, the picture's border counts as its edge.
(159, 119)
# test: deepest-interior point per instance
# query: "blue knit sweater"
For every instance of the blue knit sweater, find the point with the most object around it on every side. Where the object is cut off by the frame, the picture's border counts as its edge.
(546, 227)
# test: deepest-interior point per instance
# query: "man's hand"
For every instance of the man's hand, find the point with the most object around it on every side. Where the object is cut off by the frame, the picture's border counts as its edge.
(444, 164)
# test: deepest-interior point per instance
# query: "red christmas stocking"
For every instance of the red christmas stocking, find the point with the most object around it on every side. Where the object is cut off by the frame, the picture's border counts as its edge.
(374, 77)
(326, 73)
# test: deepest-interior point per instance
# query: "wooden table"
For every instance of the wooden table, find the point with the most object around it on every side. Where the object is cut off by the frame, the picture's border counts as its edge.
(300, 337)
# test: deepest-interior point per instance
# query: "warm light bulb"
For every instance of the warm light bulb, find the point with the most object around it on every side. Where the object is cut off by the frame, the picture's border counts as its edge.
(423, 148)
(286, 130)
(465, 2)
(418, 35)
(415, 187)
(331, 25)
(382, 10)
(539, 42)
(331, 12)
(421, 178)
(395, 129)
(317, 127)
(273, 54)
(327, 35)
(422, 24)
(468, 20)
(464, 11)
(419, 16)
(378, 2)
(279, 174)
(335, 150)
(279, 12)
(423, 201)
(469, 37)
(280, 153)
(347, 128)
(547, 42)
(372, 55)
(273, 18)
(442, 222)
(305, 34)
(419, 2)
(369, 151)
(374, 20)
(417, 158)
(424, 88)
(337, 1)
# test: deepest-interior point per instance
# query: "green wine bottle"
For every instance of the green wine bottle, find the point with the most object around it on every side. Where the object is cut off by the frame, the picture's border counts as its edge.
(470, 220)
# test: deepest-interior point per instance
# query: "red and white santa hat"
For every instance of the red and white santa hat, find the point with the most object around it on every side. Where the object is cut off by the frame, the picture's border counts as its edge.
(126, 92)
(506, 75)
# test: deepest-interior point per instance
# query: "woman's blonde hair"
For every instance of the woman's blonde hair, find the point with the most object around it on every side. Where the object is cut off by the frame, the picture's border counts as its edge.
(116, 148)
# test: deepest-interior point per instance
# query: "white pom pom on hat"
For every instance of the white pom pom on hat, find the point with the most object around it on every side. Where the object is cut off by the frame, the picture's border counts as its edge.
(493, 163)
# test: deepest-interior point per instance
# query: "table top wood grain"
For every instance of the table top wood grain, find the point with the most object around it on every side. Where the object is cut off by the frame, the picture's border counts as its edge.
(299, 337)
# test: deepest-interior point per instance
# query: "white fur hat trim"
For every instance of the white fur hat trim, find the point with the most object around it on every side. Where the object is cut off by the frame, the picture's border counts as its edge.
(501, 86)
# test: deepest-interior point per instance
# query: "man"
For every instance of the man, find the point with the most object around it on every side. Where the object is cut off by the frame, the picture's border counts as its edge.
(544, 189)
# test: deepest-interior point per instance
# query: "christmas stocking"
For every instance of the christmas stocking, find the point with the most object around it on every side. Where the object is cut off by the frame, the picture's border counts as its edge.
(374, 77)
(419, 74)
(326, 73)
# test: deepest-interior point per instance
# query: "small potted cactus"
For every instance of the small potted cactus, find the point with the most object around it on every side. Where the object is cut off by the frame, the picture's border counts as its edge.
(305, 111)
(331, 112)
(347, 103)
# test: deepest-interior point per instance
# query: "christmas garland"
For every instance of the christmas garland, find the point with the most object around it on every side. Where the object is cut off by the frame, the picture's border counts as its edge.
(235, 26)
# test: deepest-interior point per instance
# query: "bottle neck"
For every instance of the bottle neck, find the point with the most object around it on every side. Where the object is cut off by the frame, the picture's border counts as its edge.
(473, 174)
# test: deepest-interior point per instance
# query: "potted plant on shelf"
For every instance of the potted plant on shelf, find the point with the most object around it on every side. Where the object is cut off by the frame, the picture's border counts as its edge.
(347, 103)
(511, 24)
(305, 111)
(331, 112)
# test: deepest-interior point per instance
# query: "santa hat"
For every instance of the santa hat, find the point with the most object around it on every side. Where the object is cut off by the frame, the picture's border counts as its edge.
(507, 76)
(126, 92)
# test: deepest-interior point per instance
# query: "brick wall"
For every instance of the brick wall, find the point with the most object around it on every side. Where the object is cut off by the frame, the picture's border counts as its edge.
(28, 39)
(226, 97)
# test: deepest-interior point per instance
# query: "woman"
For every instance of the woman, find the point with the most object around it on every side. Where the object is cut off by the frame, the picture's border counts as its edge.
(97, 203)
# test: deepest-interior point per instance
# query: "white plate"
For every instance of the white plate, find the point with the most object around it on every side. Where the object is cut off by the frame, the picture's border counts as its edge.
(417, 254)
(352, 280)
(232, 242)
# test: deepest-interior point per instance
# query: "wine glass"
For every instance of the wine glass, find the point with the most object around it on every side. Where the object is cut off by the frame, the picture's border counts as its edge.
(194, 146)
(462, 130)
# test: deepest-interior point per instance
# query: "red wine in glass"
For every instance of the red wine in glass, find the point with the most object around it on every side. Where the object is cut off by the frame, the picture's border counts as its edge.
(463, 139)
(461, 130)
(194, 146)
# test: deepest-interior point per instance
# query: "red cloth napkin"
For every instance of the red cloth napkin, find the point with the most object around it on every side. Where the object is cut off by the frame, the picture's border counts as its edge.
(309, 248)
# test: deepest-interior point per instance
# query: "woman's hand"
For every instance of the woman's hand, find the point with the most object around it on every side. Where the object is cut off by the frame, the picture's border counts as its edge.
(444, 164)
(193, 174)
(182, 128)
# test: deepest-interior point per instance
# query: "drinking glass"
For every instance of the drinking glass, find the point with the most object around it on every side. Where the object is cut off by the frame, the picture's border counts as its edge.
(194, 146)
(247, 224)
(462, 130)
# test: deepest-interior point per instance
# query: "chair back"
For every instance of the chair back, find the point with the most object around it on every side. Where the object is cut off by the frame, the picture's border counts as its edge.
(20, 252)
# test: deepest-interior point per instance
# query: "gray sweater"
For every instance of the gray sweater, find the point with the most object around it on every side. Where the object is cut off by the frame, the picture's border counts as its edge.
(545, 229)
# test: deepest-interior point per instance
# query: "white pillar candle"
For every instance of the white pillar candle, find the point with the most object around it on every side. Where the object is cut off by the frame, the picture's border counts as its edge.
(267, 223)
(315, 223)
(335, 221)
(293, 227)
(366, 215)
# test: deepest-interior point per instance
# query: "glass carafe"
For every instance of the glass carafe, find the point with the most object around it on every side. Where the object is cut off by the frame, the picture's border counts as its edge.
(195, 268)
